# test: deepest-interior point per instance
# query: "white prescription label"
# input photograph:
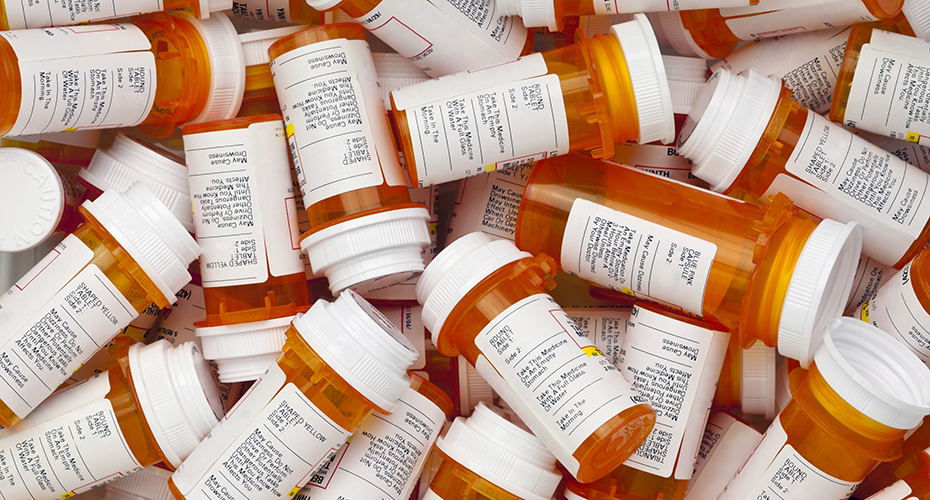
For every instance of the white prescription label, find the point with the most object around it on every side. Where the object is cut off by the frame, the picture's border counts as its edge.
(888, 95)
(775, 471)
(246, 223)
(870, 274)
(663, 161)
(636, 256)
(899, 490)
(177, 321)
(335, 119)
(604, 326)
(263, 10)
(442, 37)
(68, 454)
(785, 17)
(725, 446)
(864, 184)
(554, 372)
(675, 366)
(896, 310)
(608, 7)
(385, 455)
(27, 14)
(82, 77)
(489, 203)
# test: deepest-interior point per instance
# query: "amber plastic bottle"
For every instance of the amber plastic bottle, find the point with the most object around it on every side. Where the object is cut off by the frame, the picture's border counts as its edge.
(259, 97)
(282, 11)
(747, 380)
(587, 96)
(74, 148)
(20, 15)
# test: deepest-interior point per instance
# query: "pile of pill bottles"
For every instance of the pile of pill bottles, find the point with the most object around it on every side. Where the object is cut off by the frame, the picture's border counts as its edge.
(253, 252)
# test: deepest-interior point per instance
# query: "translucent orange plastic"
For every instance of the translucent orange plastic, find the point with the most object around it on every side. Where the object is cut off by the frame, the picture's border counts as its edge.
(600, 106)
(54, 152)
(757, 246)
(300, 12)
(729, 385)
(858, 36)
(259, 97)
(432, 392)
(454, 481)
(167, 5)
(919, 480)
(626, 483)
(11, 88)
(910, 462)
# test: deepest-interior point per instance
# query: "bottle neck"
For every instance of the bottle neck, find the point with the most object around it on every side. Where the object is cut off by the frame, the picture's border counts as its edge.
(132, 422)
(454, 481)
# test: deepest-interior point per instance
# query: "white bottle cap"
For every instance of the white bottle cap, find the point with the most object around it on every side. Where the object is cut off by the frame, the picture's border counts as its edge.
(243, 352)
(81, 138)
(782, 385)
(686, 78)
(358, 252)
(150, 483)
(255, 44)
(458, 268)
(361, 345)
(600, 25)
(757, 381)
(209, 6)
(473, 388)
(875, 373)
(818, 288)
(395, 71)
(227, 66)
(502, 453)
(32, 199)
(671, 33)
(648, 79)
(340, 16)
(129, 160)
(917, 13)
(535, 13)
(149, 233)
(324, 5)
(725, 124)
(177, 395)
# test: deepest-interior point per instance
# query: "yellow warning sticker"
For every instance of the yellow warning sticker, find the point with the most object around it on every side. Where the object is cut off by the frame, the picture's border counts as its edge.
(294, 491)
(864, 315)
(592, 351)
(289, 130)
(912, 136)
(490, 168)
(68, 494)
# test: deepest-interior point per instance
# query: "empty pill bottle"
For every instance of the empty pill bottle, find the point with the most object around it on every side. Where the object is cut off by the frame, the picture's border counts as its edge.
(130, 160)
(727, 443)
(20, 14)
(129, 252)
(159, 71)
(850, 411)
(364, 230)
(282, 11)
(715, 32)
(342, 360)
(486, 300)
(746, 135)
(587, 96)
(744, 263)
(154, 405)
(363, 469)
(440, 36)
(747, 380)
(74, 148)
(259, 97)
(487, 456)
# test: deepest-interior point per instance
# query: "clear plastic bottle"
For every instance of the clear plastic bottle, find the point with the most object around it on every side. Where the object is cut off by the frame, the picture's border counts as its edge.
(364, 231)
(746, 263)
(587, 96)
(486, 300)
(130, 252)
(746, 135)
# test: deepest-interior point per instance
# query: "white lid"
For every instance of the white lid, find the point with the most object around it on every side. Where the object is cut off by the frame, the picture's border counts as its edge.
(782, 385)
(502, 453)
(84, 138)
(874, 373)
(32, 199)
(726, 121)
(535, 13)
(757, 381)
(324, 5)
(917, 13)
(647, 76)
(149, 232)
(227, 66)
(341, 16)
(473, 388)
(255, 44)
(395, 71)
(570, 495)
(361, 345)
(600, 24)
(150, 483)
(209, 6)
(243, 352)
(369, 248)
(176, 394)
(129, 160)
(458, 268)
(686, 78)
(672, 33)
(818, 288)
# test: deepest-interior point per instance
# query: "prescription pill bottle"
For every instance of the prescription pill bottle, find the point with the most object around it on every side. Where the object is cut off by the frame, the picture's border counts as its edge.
(887, 473)
(747, 380)
(850, 412)
(913, 487)
(746, 135)
(364, 231)
(154, 405)
(342, 361)
(440, 36)
(485, 299)
(259, 97)
(22, 14)
(282, 11)
(486, 456)
(586, 96)
(129, 252)
(745, 263)
(74, 148)
(726, 445)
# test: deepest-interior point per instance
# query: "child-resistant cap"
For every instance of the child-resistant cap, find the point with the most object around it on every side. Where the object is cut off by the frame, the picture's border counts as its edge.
(726, 122)
(648, 78)
(782, 385)
(361, 345)
(227, 66)
(129, 160)
(243, 352)
(395, 71)
(150, 483)
(757, 380)
(672, 33)
(255, 44)
(369, 251)
(534, 13)
(177, 394)
(324, 5)
(31, 196)
(502, 453)
(917, 13)
(456, 270)
(874, 373)
(213, 6)
(151, 235)
(473, 388)
(686, 78)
